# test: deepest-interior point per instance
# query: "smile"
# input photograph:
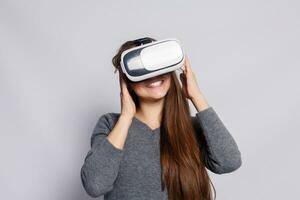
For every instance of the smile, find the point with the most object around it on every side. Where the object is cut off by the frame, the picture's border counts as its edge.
(155, 84)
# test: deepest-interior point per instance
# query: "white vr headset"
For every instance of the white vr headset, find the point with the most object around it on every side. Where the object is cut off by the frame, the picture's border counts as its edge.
(151, 58)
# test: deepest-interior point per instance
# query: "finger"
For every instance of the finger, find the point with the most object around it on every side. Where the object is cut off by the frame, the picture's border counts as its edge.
(125, 87)
(122, 77)
(122, 82)
(183, 66)
(187, 63)
(188, 66)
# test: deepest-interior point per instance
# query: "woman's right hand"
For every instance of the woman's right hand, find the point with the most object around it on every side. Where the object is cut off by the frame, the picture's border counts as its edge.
(128, 107)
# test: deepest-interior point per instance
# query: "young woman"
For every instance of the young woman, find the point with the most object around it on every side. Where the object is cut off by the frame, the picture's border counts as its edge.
(154, 148)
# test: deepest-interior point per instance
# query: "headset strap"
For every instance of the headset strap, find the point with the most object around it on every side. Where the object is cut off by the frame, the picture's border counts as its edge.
(141, 41)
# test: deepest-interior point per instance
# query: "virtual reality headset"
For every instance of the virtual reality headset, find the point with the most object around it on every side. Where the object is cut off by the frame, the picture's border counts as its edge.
(151, 58)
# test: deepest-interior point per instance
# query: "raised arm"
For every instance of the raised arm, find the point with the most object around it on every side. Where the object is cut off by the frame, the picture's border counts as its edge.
(101, 164)
(218, 148)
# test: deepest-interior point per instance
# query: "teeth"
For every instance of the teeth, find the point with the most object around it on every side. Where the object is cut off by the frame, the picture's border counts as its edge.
(155, 84)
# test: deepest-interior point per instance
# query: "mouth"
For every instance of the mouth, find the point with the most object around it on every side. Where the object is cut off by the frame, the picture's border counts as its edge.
(157, 82)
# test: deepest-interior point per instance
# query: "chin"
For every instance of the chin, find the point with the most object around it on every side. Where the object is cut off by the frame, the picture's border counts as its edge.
(154, 94)
(157, 96)
(157, 93)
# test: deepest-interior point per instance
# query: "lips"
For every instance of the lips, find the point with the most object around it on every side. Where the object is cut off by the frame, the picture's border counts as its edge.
(155, 82)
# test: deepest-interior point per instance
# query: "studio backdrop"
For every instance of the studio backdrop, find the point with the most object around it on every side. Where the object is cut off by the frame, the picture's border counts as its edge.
(56, 80)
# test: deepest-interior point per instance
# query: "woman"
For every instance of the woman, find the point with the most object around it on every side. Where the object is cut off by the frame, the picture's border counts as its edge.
(154, 148)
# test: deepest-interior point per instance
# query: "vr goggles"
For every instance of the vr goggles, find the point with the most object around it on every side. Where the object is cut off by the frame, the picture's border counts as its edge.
(151, 58)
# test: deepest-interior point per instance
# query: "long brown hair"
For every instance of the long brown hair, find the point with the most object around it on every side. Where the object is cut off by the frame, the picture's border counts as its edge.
(183, 172)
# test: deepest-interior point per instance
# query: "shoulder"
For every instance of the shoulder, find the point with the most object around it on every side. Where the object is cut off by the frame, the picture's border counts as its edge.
(112, 117)
(104, 125)
(108, 120)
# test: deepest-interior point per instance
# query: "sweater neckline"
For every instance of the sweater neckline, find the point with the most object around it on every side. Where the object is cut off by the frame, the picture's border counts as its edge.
(145, 125)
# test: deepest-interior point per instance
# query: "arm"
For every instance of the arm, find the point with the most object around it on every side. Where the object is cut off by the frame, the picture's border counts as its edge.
(219, 149)
(221, 154)
(101, 164)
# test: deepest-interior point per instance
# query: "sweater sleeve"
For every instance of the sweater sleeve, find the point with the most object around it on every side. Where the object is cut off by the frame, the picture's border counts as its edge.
(218, 148)
(101, 164)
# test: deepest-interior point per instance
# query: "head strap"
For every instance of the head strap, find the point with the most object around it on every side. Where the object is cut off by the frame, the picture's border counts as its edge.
(141, 41)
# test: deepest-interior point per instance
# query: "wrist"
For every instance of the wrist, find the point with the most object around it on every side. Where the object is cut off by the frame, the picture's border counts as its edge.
(199, 102)
(125, 117)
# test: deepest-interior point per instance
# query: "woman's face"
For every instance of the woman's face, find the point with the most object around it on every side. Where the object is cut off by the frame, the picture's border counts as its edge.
(153, 88)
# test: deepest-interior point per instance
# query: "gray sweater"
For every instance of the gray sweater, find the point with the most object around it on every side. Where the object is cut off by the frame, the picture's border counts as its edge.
(134, 172)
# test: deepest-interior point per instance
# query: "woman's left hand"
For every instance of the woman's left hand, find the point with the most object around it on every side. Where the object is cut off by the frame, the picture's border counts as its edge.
(190, 86)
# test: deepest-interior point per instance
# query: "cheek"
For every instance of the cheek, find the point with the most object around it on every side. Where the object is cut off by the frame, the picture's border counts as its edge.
(137, 88)
(168, 83)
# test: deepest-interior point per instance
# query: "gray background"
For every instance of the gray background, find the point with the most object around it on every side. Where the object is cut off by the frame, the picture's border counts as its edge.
(56, 79)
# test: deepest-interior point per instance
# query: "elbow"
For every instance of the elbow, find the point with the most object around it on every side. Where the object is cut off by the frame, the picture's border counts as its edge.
(230, 165)
(91, 186)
